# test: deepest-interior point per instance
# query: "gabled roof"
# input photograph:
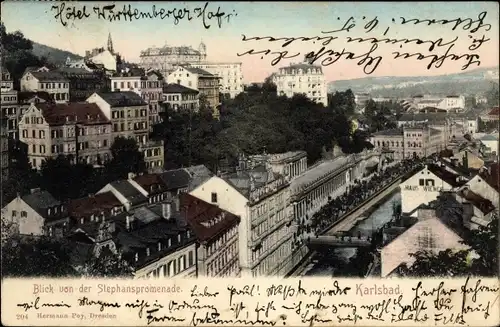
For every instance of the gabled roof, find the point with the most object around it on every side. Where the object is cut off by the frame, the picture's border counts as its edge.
(49, 76)
(492, 176)
(176, 178)
(495, 111)
(129, 192)
(177, 88)
(40, 201)
(206, 220)
(92, 204)
(122, 99)
(25, 96)
(445, 175)
(198, 71)
(151, 183)
(486, 206)
(82, 112)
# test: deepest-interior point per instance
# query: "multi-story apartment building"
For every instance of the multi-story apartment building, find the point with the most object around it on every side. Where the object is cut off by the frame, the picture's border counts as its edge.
(78, 129)
(83, 83)
(179, 97)
(52, 82)
(9, 101)
(410, 141)
(302, 78)
(216, 231)
(147, 84)
(447, 103)
(4, 149)
(196, 78)
(229, 73)
(166, 58)
(261, 199)
(129, 116)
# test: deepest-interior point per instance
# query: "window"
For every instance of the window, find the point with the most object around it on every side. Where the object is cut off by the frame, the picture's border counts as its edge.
(421, 182)
(429, 182)
(214, 197)
(24, 214)
(14, 214)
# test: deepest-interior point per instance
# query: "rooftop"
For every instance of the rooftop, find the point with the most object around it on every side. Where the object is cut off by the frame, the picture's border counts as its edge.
(491, 175)
(151, 182)
(478, 201)
(26, 96)
(196, 70)
(63, 113)
(41, 201)
(128, 191)
(390, 132)
(206, 220)
(177, 88)
(453, 179)
(49, 76)
(176, 178)
(92, 204)
(122, 99)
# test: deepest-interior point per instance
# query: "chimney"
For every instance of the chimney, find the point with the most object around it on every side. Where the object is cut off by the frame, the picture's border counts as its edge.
(166, 209)
(127, 223)
(131, 175)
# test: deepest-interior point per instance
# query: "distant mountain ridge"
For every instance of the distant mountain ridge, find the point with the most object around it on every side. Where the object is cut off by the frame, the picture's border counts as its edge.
(368, 84)
(53, 55)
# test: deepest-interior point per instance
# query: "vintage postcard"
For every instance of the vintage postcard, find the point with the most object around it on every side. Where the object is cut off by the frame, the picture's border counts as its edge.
(250, 163)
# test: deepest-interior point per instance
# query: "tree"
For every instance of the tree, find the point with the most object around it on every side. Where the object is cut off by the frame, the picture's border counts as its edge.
(481, 259)
(342, 102)
(126, 158)
(492, 95)
(40, 257)
(107, 264)
(56, 172)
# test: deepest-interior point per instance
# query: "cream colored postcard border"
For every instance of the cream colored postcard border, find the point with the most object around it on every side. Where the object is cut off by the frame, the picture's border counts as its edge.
(251, 302)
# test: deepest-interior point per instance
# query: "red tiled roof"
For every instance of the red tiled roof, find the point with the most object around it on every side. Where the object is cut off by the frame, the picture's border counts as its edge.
(495, 111)
(198, 212)
(93, 204)
(81, 112)
(147, 181)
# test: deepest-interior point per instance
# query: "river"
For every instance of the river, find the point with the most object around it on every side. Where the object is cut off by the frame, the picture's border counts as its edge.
(335, 262)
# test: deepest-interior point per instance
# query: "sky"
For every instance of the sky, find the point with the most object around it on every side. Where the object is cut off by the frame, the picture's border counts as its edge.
(38, 22)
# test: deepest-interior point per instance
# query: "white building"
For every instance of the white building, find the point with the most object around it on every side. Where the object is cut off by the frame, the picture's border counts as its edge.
(304, 79)
(42, 80)
(230, 74)
(490, 142)
(428, 234)
(184, 76)
(486, 184)
(425, 186)
(260, 198)
(105, 58)
(447, 103)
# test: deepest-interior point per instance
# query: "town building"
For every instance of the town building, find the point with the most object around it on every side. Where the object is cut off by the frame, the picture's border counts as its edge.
(9, 105)
(52, 82)
(158, 244)
(4, 149)
(37, 214)
(491, 114)
(260, 198)
(426, 185)
(196, 78)
(304, 79)
(128, 195)
(450, 103)
(167, 58)
(482, 210)
(230, 76)
(149, 85)
(129, 115)
(216, 231)
(487, 184)
(410, 142)
(179, 97)
(83, 83)
(430, 233)
(93, 209)
(78, 129)
(490, 143)
(361, 99)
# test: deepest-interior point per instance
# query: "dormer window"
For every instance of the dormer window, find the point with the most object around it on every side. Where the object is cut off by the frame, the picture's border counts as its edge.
(188, 234)
(179, 238)
(159, 246)
(92, 218)
(136, 257)
(169, 242)
(48, 211)
(82, 220)
(148, 252)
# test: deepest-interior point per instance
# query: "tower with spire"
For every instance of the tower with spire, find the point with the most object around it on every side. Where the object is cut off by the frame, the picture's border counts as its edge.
(202, 48)
(110, 44)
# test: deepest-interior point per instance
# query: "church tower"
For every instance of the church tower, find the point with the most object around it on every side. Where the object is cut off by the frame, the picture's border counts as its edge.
(202, 48)
(110, 44)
